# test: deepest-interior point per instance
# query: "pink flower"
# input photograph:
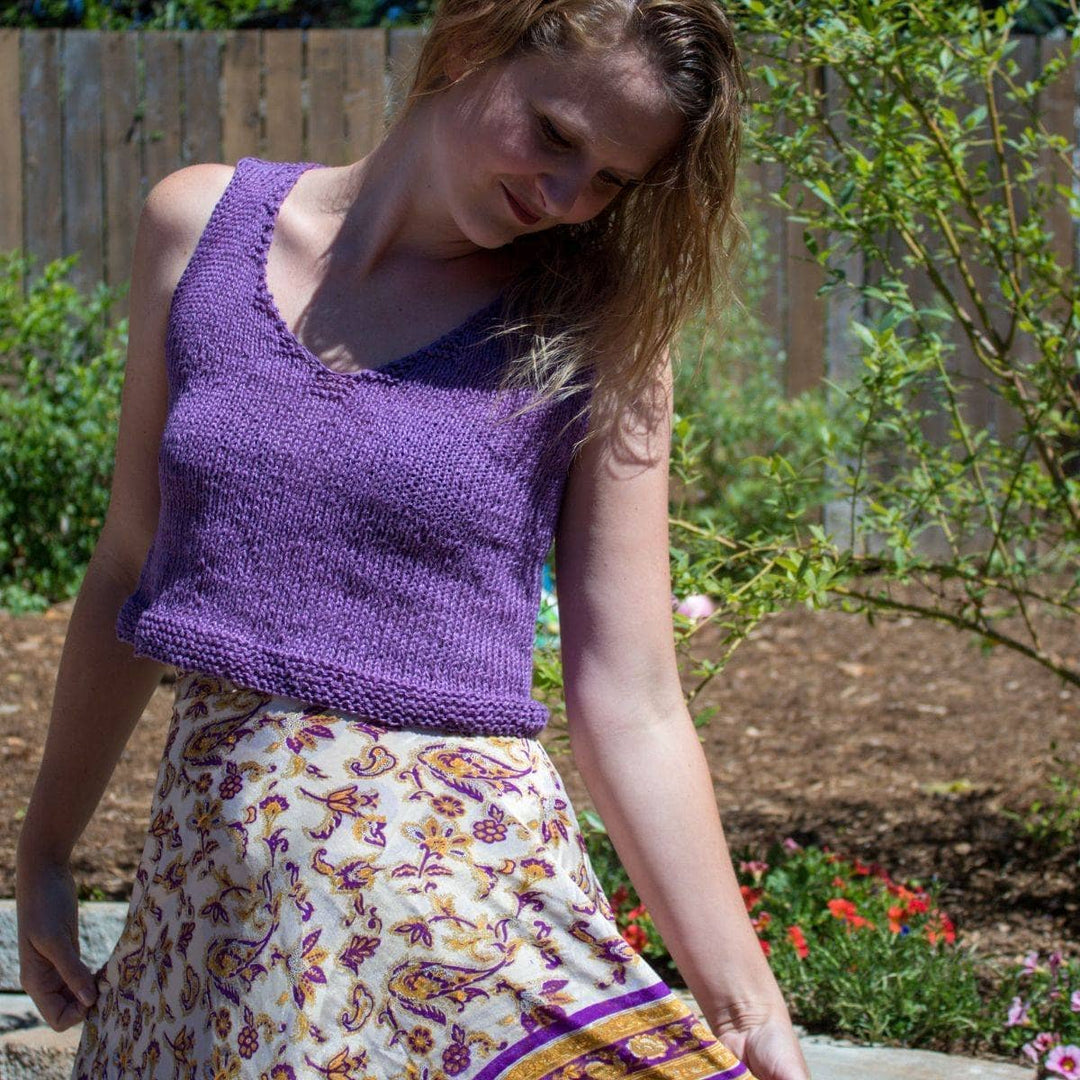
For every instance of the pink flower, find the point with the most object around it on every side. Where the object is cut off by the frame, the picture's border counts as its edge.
(1044, 1041)
(1065, 1060)
(754, 866)
(1031, 962)
(1054, 960)
(696, 606)
(1017, 1013)
(792, 845)
(1074, 1001)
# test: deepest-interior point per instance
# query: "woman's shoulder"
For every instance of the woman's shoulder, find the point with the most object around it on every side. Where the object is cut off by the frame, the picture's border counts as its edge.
(180, 204)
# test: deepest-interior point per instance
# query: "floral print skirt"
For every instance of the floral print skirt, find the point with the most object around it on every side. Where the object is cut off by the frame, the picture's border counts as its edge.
(322, 896)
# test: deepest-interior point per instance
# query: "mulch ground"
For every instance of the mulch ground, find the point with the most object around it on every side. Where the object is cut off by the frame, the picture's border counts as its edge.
(898, 743)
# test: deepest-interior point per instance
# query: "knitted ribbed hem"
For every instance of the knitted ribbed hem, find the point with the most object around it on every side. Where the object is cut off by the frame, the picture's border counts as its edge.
(246, 663)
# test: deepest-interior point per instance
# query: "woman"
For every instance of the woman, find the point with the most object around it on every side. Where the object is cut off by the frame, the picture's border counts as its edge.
(330, 513)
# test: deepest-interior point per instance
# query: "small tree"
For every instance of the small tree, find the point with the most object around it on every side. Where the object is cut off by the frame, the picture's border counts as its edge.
(892, 157)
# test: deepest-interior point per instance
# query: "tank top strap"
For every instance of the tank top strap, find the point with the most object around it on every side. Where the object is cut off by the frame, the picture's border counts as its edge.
(226, 270)
(262, 187)
(237, 234)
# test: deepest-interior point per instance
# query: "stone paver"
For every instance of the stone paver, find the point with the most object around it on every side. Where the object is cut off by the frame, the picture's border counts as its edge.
(38, 1053)
(832, 1060)
(100, 926)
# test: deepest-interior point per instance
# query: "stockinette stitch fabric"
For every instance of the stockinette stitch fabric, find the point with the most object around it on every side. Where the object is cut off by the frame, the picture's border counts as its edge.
(372, 540)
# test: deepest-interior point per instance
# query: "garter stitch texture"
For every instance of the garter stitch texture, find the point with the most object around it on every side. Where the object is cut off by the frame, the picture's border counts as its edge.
(373, 540)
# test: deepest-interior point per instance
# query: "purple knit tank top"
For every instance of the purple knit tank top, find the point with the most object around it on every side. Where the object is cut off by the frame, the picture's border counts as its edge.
(372, 541)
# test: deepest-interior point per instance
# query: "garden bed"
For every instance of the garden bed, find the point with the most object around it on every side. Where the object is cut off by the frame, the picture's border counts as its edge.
(899, 744)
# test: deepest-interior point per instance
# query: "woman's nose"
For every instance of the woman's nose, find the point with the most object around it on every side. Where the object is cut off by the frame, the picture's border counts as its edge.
(561, 190)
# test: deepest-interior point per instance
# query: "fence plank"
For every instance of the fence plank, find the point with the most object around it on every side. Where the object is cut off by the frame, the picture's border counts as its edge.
(283, 54)
(83, 222)
(326, 93)
(1004, 420)
(11, 191)
(402, 51)
(843, 350)
(122, 165)
(161, 133)
(200, 63)
(987, 407)
(241, 135)
(1057, 109)
(364, 96)
(805, 330)
(763, 179)
(42, 163)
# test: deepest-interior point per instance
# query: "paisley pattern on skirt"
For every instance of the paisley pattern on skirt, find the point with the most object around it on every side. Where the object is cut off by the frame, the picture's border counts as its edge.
(322, 896)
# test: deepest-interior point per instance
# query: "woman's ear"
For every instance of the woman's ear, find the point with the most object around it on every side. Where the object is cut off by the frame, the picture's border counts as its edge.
(455, 67)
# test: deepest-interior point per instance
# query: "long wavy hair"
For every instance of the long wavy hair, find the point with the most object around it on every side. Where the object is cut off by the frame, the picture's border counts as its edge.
(605, 300)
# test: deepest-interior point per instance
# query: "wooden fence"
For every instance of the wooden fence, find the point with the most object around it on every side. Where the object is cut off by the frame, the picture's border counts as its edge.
(91, 120)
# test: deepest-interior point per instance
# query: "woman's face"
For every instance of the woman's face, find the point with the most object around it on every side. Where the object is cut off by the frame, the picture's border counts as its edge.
(527, 144)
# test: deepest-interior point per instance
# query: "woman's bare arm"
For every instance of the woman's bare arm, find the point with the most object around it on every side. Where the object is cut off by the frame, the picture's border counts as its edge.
(632, 737)
(101, 686)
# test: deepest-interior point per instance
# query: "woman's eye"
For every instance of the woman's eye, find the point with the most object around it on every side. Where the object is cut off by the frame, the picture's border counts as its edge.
(556, 139)
(552, 135)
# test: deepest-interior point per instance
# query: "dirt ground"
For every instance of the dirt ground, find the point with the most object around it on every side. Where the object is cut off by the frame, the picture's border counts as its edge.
(829, 730)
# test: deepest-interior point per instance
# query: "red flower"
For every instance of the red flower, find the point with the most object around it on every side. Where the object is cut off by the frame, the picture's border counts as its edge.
(861, 868)
(766, 948)
(750, 896)
(635, 937)
(636, 913)
(838, 882)
(845, 909)
(897, 913)
(942, 928)
(841, 908)
(798, 939)
(619, 896)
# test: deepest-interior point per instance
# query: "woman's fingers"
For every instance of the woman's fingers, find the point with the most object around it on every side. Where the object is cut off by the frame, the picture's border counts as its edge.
(58, 982)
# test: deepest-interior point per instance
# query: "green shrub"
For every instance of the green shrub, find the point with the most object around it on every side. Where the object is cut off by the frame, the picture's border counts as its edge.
(62, 371)
(862, 956)
(879, 961)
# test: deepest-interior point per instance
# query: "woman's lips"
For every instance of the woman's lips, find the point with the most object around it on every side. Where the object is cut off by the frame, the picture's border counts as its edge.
(520, 212)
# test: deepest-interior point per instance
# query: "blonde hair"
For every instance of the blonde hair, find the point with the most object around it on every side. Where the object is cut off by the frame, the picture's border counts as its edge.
(605, 299)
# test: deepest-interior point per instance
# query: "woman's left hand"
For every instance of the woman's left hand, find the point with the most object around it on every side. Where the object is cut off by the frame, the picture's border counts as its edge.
(768, 1047)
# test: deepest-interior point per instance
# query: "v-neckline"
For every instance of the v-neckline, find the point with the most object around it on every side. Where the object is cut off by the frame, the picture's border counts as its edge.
(389, 371)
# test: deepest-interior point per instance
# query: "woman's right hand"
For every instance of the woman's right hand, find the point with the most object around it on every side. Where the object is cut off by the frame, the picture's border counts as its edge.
(50, 968)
